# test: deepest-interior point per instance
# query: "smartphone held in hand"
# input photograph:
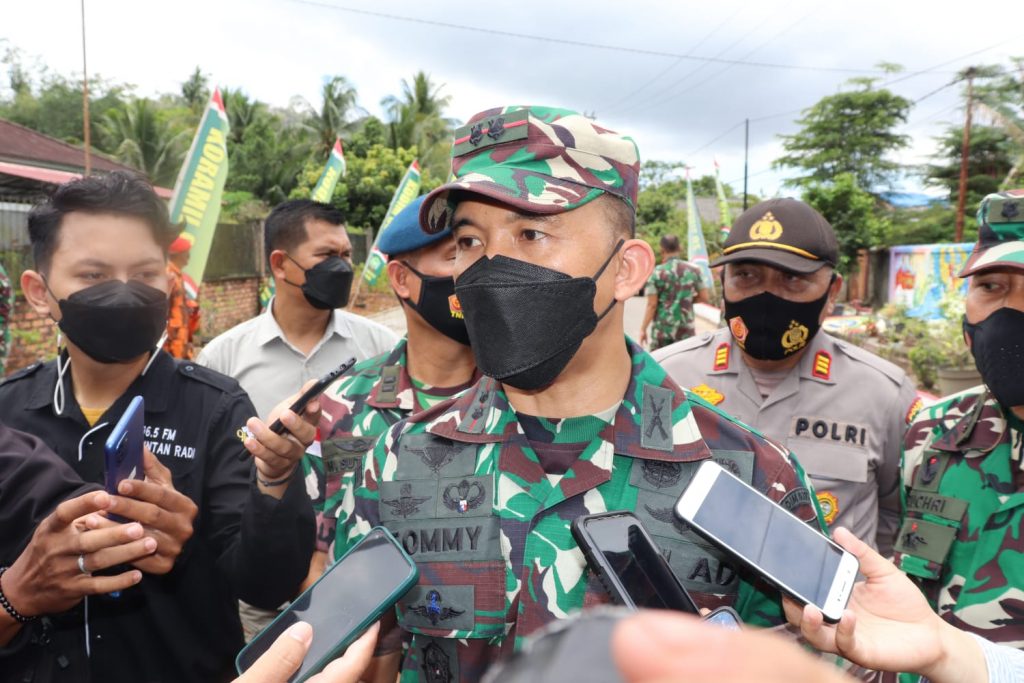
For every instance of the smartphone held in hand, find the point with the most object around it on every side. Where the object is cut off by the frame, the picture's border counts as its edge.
(788, 553)
(350, 596)
(123, 448)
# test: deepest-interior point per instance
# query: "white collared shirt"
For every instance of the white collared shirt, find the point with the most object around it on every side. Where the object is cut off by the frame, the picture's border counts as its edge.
(269, 368)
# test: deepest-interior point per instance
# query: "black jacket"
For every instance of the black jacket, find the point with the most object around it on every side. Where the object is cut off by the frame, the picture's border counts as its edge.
(181, 626)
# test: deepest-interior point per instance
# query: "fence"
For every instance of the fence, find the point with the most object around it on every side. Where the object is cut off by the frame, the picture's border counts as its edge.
(15, 250)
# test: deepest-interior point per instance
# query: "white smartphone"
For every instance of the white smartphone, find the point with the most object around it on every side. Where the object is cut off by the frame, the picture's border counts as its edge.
(790, 555)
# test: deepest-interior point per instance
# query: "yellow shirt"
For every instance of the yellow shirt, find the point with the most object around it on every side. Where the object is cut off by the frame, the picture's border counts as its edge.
(92, 415)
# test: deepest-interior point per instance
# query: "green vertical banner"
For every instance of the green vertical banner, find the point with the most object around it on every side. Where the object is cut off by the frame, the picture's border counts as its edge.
(725, 216)
(407, 191)
(200, 184)
(697, 250)
(334, 170)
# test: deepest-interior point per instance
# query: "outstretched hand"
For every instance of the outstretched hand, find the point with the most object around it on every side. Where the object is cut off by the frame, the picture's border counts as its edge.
(888, 624)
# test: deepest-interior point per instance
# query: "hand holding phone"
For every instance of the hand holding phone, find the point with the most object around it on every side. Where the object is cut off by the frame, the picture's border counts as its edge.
(790, 555)
(351, 595)
(321, 385)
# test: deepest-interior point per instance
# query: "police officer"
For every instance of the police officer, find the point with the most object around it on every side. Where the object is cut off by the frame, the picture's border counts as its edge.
(571, 417)
(841, 409)
(431, 364)
(964, 458)
(223, 530)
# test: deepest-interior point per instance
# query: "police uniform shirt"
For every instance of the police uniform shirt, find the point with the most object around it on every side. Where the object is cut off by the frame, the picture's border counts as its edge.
(183, 625)
(841, 410)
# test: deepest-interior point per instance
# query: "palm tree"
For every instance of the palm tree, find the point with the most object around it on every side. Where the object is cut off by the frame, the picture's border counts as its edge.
(144, 140)
(339, 114)
(194, 90)
(242, 112)
(416, 119)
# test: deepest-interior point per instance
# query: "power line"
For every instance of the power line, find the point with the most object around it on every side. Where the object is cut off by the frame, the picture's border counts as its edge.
(713, 140)
(948, 62)
(581, 43)
(674, 64)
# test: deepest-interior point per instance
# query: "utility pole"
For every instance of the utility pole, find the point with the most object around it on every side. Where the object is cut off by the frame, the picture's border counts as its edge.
(85, 102)
(747, 156)
(965, 151)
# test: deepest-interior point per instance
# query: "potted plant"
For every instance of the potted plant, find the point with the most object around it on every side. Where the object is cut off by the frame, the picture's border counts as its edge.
(938, 353)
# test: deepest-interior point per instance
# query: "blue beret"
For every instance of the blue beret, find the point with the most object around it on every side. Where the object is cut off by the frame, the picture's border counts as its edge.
(403, 233)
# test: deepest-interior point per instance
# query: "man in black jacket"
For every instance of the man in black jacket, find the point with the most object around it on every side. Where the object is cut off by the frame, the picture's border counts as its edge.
(224, 528)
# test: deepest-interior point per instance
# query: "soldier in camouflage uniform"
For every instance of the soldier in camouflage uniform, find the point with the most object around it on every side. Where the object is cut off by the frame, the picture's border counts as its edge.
(380, 391)
(481, 489)
(6, 309)
(673, 288)
(963, 464)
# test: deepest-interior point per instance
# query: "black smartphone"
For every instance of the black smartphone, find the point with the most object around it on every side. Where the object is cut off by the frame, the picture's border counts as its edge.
(628, 562)
(321, 385)
(351, 595)
(787, 553)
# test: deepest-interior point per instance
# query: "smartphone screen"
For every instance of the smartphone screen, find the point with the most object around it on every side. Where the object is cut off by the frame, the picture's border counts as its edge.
(637, 562)
(767, 536)
(347, 599)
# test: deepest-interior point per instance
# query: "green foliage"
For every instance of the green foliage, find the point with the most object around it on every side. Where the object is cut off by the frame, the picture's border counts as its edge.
(989, 159)
(338, 115)
(934, 344)
(661, 202)
(365, 192)
(930, 225)
(853, 131)
(852, 212)
(194, 91)
(416, 119)
(139, 135)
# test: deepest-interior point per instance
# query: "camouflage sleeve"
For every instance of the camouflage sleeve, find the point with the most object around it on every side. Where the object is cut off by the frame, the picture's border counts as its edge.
(890, 489)
(316, 487)
(653, 282)
(359, 510)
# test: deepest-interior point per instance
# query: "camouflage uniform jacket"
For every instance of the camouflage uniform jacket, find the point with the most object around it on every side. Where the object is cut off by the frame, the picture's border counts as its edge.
(357, 409)
(676, 283)
(961, 536)
(463, 491)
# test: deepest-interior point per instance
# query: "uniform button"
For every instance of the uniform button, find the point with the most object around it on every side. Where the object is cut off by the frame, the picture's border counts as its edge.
(189, 368)
(477, 414)
(63, 662)
(483, 397)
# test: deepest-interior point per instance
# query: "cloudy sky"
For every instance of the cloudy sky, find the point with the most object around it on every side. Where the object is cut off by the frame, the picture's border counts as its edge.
(680, 76)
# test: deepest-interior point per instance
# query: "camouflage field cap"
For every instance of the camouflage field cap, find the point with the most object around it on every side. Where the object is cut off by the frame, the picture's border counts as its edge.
(1000, 233)
(538, 159)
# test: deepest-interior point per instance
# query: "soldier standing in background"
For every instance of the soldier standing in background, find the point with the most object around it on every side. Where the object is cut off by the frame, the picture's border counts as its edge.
(673, 288)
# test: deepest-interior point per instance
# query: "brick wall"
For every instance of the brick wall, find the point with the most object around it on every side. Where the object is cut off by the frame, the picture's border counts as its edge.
(33, 336)
(225, 303)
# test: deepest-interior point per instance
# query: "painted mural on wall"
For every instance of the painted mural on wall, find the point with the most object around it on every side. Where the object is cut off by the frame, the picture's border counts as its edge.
(920, 275)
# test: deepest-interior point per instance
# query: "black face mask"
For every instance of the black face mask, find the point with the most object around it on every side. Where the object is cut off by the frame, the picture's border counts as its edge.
(526, 322)
(439, 306)
(769, 327)
(328, 283)
(114, 321)
(997, 343)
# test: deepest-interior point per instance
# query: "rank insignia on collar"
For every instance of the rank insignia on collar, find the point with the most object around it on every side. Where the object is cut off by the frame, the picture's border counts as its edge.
(914, 409)
(433, 610)
(829, 505)
(712, 396)
(822, 365)
(912, 539)
(722, 356)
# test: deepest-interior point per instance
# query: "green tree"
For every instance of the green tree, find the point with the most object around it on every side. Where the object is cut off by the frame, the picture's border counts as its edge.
(194, 91)
(1001, 101)
(989, 159)
(365, 192)
(853, 131)
(339, 114)
(416, 118)
(140, 137)
(852, 212)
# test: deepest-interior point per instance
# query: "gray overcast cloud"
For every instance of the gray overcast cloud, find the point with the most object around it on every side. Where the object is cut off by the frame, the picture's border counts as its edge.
(277, 49)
